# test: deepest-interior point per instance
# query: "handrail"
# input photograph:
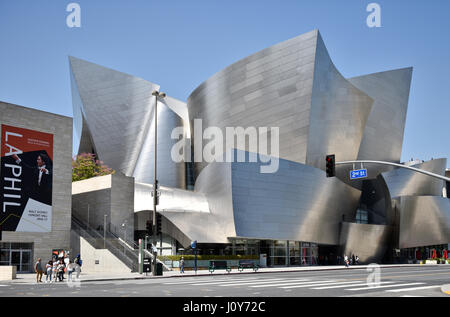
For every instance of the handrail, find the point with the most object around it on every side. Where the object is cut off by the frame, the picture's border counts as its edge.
(134, 252)
(132, 263)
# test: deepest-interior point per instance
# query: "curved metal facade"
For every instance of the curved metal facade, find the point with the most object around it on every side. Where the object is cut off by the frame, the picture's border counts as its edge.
(368, 242)
(403, 182)
(295, 86)
(383, 133)
(424, 220)
(296, 203)
(114, 114)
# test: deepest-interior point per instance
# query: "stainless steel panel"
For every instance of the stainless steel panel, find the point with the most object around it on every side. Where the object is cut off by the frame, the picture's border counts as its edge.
(368, 242)
(114, 114)
(383, 134)
(297, 203)
(424, 220)
(403, 182)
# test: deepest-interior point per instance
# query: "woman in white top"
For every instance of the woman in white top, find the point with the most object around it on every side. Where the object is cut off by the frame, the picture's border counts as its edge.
(70, 269)
(48, 271)
(55, 270)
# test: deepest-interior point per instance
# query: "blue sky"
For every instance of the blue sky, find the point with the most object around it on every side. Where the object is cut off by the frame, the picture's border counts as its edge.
(179, 44)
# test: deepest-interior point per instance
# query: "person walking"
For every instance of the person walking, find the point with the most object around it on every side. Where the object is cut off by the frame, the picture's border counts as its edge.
(48, 271)
(357, 260)
(39, 271)
(346, 260)
(182, 265)
(70, 269)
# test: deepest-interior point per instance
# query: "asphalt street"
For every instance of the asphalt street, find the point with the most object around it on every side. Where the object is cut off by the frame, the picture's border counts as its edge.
(393, 282)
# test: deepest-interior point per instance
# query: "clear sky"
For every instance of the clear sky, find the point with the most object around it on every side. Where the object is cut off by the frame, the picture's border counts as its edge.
(179, 44)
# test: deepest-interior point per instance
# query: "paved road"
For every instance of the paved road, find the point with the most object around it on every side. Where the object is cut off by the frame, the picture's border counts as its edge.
(416, 281)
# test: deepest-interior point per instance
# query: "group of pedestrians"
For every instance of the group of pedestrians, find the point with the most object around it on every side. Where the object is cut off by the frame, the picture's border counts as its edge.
(353, 260)
(56, 268)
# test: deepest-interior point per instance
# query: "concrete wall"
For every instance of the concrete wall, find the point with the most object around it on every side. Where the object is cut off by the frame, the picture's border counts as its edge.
(61, 128)
(100, 260)
(8, 273)
(110, 195)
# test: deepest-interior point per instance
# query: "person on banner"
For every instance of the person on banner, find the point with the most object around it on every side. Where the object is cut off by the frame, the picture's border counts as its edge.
(37, 179)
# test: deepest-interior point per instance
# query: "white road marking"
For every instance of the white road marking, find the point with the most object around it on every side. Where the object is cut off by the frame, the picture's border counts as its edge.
(293, 283)
(268, 281)
(412, 288)
(384, 286)
(351, 285)
(205, 281)
(322, 283)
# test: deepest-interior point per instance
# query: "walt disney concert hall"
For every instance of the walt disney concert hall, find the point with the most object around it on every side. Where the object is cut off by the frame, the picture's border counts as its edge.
(296, 215)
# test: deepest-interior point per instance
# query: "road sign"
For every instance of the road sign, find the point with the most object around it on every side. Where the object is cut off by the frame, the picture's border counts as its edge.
(355, 174)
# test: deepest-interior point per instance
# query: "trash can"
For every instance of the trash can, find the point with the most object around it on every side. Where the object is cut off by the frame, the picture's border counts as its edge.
(159, 269)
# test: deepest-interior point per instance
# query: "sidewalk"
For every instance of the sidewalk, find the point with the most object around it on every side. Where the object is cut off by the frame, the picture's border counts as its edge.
(30, 278)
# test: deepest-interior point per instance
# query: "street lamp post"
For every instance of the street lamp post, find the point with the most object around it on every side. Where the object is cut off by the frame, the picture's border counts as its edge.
(155, 182)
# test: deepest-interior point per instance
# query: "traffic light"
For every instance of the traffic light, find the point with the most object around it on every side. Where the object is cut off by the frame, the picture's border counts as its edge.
(330, 166)
(149, 227)
(158, 224)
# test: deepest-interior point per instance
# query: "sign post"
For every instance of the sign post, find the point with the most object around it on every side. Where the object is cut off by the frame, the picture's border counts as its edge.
(194, 246)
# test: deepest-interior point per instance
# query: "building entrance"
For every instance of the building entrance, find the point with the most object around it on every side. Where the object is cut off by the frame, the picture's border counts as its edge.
(17, 254)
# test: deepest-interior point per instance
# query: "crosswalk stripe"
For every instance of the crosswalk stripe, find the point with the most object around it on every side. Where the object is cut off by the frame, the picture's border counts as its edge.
(412, 288)
(208, 281)
(384, 286)
(291, 283)
(266, 282)
(346, 285)
(238, 282)
(322, 283)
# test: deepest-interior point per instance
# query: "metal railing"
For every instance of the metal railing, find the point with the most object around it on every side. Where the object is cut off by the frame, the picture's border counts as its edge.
(98, 241)
(126, 251)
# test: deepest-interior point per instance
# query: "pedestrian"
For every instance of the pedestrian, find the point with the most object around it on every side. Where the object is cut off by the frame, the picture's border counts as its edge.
(357, 260)
(70, 269)
(353, 259)
(55, 270)
(48, 271)
(346, 260)
(78, 269)
(39, 271)
(182, 265)
(61, 268)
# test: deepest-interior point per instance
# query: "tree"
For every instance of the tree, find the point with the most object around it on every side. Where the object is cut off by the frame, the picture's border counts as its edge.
(86, 165)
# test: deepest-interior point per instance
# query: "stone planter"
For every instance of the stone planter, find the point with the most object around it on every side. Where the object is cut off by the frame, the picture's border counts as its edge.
(8, 273)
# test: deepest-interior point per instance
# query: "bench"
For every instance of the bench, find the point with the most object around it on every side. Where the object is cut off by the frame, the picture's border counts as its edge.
(219, 265)
(244, 264)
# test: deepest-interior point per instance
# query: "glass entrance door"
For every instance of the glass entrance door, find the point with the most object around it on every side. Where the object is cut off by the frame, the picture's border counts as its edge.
(21, 259)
